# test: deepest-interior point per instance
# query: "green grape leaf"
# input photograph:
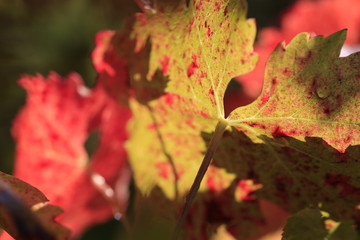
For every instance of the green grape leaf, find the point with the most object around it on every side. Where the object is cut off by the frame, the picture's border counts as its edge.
(295, 144)
(312, 223)
(306, 224)
(308, 92)
(294, 174)
(343, 230)
(200, 48)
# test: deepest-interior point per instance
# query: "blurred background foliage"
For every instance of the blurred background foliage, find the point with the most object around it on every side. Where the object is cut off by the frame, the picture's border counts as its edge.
(38, 36)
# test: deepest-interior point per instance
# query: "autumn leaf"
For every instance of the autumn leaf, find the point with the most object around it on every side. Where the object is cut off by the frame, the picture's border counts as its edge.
(200, 48)
(339, 14)
(50, 132)
(22, 212)
(308, 92)
(112, 69)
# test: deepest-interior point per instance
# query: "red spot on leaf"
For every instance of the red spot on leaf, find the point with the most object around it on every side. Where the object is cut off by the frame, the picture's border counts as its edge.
(255, 125)
(278, 132)
(226, 11)
(204, 114)
(164, 169)
(264, 99)
(274, 81)
(191, 24)
(164, 62)
(286, 71)
(217, 6)
(211, 92)
(193, 66)
(142, 19)
(211, 184)
(170, 99)
(327, 111)
(190, 124)
(209, 33)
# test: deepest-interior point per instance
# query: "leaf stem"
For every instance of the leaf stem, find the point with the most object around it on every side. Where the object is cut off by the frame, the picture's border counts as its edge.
(214, 143)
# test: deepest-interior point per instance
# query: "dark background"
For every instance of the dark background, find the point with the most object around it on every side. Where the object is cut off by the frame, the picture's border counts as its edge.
(38, 36)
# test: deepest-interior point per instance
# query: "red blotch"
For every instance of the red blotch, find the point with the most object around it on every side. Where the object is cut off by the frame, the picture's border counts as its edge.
(278, 132)
(170, 99)
(191, 25)
(202, 74)
(198, 6)
(209, 32)
(211, 184)
(164, 169)
(151, 126)
(255, 125)
(274, 81)
(193, 66)
(264, 99)
(164, 62)
(286, 71)
(211, 92)
(347, 140)
(204, 114)
(217, 6)
(327, 111)
(142, 19)
(226, 11)
(190, 124)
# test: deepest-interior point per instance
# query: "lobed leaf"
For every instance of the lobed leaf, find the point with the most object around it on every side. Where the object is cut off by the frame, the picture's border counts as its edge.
(311, 223)
(50, 132)
(25, 214)
(200, 48)
(308, 92)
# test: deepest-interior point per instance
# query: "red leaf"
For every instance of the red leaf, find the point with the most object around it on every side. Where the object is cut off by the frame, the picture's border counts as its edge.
(50, 132)
(112, 68)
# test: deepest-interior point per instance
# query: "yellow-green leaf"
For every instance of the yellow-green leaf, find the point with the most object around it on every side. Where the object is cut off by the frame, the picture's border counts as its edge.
(200, 48)
(308, 92)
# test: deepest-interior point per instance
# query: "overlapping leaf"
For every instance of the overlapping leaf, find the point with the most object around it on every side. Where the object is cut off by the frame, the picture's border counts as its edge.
(308, 92)
(311, 223)
(25, 214)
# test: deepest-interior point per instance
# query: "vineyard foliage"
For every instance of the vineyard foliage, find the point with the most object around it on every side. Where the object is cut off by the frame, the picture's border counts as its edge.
(288, 160)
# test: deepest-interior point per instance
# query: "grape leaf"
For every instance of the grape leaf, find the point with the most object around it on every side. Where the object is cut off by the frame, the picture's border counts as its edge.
(306, 224)
(294, 174)
(151, 201)
(111, 68)
(22, 212)
(308, 92)
(311, 223)
(302, 97)
(296, 20)
(64, 112)
(200, 48)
